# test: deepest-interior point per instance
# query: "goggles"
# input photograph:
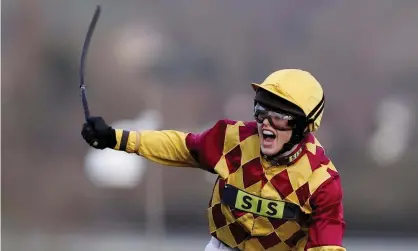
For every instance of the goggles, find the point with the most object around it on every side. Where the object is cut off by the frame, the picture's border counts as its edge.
(278, 120)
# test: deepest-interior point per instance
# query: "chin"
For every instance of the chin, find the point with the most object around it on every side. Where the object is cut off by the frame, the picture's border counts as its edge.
(269, 152)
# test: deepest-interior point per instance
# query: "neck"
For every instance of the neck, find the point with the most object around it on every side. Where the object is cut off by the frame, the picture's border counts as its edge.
(286, 157)
(287, 153)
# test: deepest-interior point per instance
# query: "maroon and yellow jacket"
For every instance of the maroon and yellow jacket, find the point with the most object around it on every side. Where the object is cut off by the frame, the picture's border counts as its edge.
(255, 206)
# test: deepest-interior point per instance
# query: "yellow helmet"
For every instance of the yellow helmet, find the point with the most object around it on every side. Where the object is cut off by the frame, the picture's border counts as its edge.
(297, 88)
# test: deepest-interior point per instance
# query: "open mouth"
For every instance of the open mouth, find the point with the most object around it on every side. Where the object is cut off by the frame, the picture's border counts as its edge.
(268, 136)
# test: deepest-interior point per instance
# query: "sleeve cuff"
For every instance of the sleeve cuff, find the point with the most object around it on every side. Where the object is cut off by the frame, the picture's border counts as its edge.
(127, 141)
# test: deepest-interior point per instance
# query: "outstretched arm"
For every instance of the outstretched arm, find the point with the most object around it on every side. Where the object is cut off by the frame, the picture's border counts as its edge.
(167, 147)
(327, 227)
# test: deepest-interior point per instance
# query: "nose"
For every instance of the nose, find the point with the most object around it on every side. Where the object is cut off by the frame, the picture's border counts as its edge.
(266, 121)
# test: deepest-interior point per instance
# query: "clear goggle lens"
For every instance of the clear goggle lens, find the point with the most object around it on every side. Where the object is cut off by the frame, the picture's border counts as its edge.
(278, 120)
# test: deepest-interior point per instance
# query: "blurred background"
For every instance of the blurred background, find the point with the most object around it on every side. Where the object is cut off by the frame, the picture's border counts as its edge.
(164, 64)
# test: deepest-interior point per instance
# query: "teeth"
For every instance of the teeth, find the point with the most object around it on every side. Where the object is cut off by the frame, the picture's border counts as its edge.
(265, 132)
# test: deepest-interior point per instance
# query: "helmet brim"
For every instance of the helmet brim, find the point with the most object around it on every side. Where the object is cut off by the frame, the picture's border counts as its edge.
(275, 100)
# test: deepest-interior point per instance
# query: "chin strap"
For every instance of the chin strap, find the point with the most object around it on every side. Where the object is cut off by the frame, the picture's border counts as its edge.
(280, 160)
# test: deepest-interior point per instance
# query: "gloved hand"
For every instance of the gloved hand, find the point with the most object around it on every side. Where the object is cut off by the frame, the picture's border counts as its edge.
(98, 134)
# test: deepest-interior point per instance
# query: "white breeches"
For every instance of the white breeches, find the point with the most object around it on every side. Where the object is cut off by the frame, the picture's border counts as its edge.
(215, 245)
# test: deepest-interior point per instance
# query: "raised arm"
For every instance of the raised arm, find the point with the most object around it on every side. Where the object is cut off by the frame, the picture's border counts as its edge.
(167, 147)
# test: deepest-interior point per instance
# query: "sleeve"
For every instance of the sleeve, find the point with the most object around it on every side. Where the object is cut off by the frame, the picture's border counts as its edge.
(166, 147)
(327, 227)
(173, 148)
(207, 147)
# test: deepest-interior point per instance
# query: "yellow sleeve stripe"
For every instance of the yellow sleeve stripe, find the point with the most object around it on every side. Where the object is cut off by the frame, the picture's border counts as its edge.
(132, 141)
(118, 133)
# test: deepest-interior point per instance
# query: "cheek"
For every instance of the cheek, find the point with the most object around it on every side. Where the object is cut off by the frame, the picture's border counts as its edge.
(284, 137)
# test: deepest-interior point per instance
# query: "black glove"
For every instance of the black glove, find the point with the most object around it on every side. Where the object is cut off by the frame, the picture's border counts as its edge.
(98, 134)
